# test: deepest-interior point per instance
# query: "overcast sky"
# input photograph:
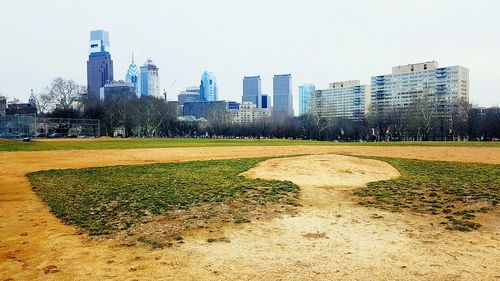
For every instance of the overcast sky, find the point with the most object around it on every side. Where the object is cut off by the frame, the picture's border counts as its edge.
(317, 41)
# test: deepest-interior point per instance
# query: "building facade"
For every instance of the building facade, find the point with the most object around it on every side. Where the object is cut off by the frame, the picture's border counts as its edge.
(346, 99)
(305, 91)
(407, 84)
(211, 110)
(266, 101)
(208, 87)
(99, 65)
(132, 76)
(191, 94)
(282, 96)
(150, 80)
(3, 105)
(252, 90)
(118, 89)
(249, 113)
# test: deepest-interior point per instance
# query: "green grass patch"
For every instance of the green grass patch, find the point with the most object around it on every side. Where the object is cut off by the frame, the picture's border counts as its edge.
(454, 191)
(92, 144)
(109, 199)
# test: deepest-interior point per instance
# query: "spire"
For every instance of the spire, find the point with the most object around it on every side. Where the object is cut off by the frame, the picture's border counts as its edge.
(132, 57)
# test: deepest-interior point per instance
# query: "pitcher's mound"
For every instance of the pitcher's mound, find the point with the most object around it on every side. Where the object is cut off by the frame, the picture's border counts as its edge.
(324, 170)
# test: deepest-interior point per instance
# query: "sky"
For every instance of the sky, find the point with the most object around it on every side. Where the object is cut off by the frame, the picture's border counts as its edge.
(317, 41)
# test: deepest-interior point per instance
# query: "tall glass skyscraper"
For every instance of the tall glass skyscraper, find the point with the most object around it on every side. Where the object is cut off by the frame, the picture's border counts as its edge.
(150, 80)
(99, 65)
(208, 87)
(252, 91)
(132, 76)
(282, 95)
(305, 91)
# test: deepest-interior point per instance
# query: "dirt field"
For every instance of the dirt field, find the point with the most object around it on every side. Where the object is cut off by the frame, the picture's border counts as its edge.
(331, 238)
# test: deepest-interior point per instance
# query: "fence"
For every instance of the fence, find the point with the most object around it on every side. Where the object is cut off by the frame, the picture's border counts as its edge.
(30, 125)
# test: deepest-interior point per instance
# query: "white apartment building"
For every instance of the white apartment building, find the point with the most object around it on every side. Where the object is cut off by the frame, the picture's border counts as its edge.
(249, 113)
(408, 83)
(346, 99)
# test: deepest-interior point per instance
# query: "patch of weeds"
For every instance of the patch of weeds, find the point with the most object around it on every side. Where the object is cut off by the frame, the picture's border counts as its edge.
(450, 190)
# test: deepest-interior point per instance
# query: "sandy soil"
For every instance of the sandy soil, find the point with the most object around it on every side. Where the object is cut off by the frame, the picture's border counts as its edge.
(331, 238)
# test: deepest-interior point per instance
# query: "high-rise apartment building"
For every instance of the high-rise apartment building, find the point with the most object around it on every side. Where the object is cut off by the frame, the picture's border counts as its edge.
(99, 65)
(208, 87)
(346, 99)
(132, 76)
(407, 84)
(150, 80)
(305, 91)
(252, 91)
(282, 96)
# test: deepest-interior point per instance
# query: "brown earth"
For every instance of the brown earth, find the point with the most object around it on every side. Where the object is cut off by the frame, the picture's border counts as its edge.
(331, 237)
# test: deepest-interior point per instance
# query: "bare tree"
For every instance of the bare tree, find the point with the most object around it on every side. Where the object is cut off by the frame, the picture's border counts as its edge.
(44, 102)
(64, 93)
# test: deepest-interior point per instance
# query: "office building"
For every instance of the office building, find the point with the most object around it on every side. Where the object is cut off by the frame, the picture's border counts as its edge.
(208, 87)
(249, 113)
(252, 91)
(282, 96)
(344, 100)
(209, 109)
(132, 76)
(99, 65)
(191, 94)
(150, 80)
(305, 91)
(118, 89)
(266, 101)
(408, 84)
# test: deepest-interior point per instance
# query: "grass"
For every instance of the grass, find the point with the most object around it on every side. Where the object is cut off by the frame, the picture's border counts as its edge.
(111, 199)
(455, 192)
(68, 144)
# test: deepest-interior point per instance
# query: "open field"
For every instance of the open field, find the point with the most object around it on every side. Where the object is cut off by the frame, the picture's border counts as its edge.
(331, 236)
(455, 192)
(107, 143)
(115, 199)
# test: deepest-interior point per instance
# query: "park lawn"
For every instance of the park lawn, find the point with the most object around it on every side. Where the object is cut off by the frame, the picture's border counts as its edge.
(108, 143)
(108, 200)
(454, 192)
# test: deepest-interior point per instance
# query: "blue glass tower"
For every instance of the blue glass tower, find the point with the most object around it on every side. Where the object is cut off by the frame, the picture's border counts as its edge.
(132, 76)
(150, 80)
(208, 87)
(305, 91)
(282, 96)
(99, 65)
(252, 90)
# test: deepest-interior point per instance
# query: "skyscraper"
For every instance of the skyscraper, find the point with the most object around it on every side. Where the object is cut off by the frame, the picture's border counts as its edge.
(282, 96)
(208, 87)
(99, 65)
(150, 81)
(304, 94)
(132, 76)
(252, 91)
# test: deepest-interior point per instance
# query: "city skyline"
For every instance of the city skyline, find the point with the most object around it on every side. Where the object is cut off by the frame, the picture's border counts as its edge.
(231, 56)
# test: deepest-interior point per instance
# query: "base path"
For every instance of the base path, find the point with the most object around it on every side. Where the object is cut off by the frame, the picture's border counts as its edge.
(330, 238)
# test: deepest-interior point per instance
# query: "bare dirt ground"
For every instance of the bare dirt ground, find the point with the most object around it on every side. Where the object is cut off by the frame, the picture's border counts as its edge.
(331, 238)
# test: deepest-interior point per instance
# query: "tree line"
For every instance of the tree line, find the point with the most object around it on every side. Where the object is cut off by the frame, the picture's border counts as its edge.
(424, 119)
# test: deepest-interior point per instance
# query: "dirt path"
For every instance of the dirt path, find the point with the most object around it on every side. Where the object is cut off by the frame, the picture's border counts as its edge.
(356, 245)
